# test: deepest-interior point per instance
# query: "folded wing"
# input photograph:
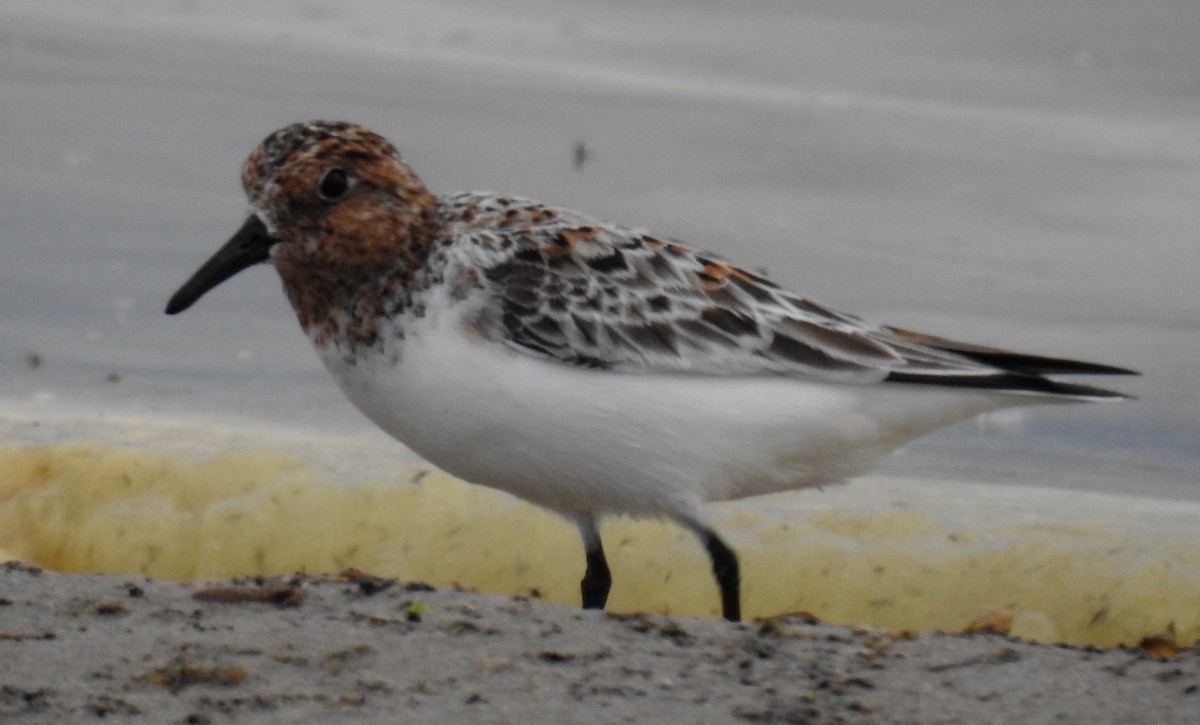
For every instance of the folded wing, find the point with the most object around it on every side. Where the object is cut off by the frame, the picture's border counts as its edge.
(582, 292)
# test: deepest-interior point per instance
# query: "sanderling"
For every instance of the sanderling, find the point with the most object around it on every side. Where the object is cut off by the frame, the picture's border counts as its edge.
(583, 366)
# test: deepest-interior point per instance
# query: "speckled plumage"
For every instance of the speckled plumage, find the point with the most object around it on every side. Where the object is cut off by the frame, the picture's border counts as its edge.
(588, 367)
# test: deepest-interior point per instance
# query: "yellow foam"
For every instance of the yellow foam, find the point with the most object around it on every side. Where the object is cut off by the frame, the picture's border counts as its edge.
(93, 507)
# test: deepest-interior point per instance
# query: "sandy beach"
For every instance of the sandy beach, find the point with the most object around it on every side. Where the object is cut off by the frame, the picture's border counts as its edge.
(80, 648)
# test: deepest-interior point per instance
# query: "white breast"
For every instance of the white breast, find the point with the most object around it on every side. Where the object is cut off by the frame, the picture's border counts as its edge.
(576, 439)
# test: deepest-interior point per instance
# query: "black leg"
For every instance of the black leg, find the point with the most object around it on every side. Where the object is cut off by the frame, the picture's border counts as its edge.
(725, 568)
(597, 580)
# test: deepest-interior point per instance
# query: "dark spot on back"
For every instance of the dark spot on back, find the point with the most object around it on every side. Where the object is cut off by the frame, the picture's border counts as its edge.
(530, 255)
(722, 297)
(589, 361)
(654, 337)
(754, 290)
(699, 330)
(734, 323)
(663, 267)
(611, 263)
(547, 326)
(586, 327)
(792, 349)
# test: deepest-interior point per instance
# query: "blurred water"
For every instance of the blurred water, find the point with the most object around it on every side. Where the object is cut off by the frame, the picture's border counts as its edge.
(1015, 174)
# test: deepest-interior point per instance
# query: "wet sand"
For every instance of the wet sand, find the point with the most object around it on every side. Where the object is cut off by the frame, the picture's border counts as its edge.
(79, 648)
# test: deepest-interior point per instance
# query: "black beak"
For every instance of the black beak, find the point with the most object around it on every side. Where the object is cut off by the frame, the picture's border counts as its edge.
(249, 246)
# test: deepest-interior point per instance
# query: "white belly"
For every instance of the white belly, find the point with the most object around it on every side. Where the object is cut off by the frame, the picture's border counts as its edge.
(585, 440)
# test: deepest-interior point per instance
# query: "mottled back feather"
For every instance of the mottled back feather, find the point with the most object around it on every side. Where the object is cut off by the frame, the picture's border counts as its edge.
(573, 289)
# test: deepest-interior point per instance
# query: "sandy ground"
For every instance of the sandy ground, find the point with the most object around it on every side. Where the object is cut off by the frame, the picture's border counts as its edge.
(78, 648)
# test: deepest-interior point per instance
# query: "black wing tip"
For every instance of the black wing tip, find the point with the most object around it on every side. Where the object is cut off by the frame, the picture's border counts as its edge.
(1037, 365)
(1013, 382)
(1011, 362)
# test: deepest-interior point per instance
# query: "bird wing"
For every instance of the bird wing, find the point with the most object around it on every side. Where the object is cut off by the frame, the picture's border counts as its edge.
(579, 291)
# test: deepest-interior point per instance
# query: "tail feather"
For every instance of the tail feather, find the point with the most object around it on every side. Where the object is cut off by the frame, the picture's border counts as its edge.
(1015, 372)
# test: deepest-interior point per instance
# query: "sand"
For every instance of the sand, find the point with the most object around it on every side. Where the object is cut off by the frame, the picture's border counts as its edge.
(82, 647)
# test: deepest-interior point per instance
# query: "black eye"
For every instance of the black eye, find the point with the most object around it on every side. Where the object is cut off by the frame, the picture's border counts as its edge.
(333, 184)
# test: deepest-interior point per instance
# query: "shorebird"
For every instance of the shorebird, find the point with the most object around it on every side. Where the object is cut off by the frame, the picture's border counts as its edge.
(590, 368)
